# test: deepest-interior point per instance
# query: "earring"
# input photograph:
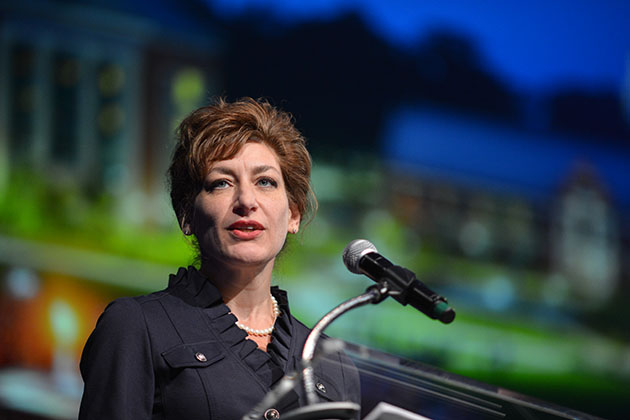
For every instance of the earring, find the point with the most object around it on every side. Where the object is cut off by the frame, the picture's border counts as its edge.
(294, 231)
(187, 231)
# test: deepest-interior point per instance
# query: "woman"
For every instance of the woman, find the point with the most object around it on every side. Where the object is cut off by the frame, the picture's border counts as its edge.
(216, 339)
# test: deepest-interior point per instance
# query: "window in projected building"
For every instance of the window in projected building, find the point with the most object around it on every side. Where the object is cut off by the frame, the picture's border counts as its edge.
(111, 120)
(188, 91)
(67, 73)
(22, 100)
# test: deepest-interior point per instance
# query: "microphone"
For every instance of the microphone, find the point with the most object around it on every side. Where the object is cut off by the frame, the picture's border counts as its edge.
(362, 257)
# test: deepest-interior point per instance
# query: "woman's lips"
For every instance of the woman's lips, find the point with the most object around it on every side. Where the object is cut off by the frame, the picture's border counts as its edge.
(246, 229)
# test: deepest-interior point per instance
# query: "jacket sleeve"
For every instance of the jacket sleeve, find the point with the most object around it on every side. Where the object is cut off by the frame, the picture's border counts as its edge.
(116, 366)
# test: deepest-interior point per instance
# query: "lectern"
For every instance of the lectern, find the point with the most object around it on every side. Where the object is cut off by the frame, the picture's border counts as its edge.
(436, 394)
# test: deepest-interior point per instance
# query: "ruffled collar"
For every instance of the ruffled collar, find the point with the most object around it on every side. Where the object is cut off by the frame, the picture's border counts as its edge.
(195, 289)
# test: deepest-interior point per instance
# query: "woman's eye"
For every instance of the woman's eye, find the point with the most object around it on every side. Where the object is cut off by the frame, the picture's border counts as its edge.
(219, 184)
(267, 182)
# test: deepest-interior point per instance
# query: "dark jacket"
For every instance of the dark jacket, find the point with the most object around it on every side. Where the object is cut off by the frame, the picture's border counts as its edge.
(177, 354)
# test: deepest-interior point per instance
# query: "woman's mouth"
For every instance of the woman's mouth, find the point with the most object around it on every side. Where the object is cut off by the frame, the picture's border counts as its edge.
(246, 229)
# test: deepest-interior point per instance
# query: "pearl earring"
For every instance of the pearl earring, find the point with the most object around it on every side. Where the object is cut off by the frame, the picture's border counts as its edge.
(187, 231)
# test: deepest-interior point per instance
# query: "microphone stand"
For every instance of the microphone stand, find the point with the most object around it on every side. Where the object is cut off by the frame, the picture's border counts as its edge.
(316, 410)
(374, 294)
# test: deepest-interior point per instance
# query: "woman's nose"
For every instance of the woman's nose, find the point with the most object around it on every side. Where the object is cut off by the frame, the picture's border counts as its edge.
(245, 200)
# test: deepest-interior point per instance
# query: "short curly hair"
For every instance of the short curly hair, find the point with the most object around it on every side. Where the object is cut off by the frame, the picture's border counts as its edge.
(217, 132)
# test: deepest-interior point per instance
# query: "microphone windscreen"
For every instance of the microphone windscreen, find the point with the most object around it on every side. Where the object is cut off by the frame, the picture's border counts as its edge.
(354, 251)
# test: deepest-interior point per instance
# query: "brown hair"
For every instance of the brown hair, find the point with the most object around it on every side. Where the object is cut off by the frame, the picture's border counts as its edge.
(217, 132)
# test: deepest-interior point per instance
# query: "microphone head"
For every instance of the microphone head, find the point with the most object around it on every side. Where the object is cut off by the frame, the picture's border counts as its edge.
(354, 251)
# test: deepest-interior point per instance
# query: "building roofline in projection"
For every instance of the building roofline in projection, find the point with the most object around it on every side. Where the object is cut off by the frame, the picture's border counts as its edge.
(480, 153)
(187, 23)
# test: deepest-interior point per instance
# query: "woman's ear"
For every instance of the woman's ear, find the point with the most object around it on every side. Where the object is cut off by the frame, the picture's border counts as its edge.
(294, 219)
(185, 226)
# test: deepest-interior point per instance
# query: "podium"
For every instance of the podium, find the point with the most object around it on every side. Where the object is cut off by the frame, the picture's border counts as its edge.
(438, 395)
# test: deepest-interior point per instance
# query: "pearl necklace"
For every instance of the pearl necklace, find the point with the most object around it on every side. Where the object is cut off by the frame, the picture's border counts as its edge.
(266, 331)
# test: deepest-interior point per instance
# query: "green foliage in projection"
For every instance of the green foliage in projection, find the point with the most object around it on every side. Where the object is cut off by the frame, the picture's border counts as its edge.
(32, 208)
(20, 209)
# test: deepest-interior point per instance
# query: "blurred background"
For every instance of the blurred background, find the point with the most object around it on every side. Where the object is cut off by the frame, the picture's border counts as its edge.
(484, 145)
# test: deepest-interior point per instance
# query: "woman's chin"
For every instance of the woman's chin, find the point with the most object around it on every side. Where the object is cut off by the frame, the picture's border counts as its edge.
(250, 257)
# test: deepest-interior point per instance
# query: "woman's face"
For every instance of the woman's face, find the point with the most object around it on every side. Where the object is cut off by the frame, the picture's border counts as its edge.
(242, 214)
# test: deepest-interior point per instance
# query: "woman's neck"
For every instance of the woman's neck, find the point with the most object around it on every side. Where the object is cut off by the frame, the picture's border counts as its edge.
(245, 290)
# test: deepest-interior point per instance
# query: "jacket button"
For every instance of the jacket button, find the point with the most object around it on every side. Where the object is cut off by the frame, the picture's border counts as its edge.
(321, 387)
(201, 357)
(272, 414)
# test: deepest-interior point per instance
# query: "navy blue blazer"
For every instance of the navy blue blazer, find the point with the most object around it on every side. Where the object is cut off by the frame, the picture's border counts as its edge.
(177, 354)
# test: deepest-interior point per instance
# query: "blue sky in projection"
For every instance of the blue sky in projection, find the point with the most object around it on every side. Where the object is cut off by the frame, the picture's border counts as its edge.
(532, 45)
(535, 46)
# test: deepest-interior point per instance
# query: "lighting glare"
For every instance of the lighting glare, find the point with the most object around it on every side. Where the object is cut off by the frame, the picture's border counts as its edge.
(64, 323)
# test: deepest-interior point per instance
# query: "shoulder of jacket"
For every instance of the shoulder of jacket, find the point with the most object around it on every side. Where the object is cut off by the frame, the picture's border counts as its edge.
(129, 306)
(151, 297)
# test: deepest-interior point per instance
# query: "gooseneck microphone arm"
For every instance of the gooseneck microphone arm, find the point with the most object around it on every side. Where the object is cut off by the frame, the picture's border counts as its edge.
(374, 294)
